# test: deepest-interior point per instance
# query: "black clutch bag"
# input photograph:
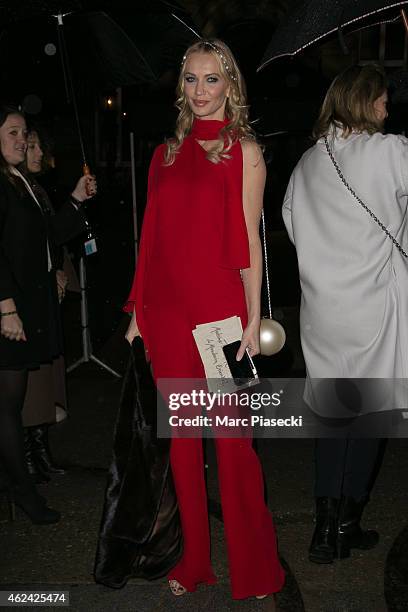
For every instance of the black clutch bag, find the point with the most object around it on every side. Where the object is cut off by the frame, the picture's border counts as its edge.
(140, 534)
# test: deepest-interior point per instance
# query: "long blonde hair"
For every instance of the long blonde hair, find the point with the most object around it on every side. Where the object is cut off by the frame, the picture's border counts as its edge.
(236, 108)
(349, 102)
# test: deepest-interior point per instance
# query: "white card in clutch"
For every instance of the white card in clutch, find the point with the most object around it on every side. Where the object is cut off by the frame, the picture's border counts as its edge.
(210, 338)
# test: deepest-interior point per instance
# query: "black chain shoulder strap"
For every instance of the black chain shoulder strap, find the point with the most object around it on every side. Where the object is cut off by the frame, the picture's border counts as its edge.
(366, 208)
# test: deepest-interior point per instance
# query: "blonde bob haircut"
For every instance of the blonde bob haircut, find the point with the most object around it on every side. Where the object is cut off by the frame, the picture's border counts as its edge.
(349, 102)
(236, 109)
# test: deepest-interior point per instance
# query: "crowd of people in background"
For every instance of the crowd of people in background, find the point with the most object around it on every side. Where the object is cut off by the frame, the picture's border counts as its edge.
(31, 286)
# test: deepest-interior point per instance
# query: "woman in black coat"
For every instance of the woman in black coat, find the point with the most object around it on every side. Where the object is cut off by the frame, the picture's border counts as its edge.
(46, 388)
(30, 331)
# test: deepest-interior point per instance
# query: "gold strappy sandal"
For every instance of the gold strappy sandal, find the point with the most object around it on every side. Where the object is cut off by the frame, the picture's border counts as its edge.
(176, 588)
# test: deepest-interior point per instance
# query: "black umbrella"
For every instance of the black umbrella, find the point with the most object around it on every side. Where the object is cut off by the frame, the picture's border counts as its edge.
(11, 11)
(314, 20)
(100, 51)
(120, 46)
(88, 51)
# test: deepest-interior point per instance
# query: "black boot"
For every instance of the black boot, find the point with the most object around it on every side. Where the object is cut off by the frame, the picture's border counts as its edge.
(41, 451)
(36, 474)
(323, 546)
(350, 535)
(26, 497)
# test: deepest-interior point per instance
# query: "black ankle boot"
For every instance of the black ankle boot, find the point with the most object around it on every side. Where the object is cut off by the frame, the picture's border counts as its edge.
(350, 535)
(323, 546)
(41, 451)
(26, 497)
(37, 475)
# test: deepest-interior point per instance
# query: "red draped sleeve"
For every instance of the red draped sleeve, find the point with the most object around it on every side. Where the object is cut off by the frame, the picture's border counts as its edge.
(135, 299)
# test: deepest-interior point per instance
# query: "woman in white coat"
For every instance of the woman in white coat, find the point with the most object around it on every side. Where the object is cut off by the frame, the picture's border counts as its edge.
(354, 281)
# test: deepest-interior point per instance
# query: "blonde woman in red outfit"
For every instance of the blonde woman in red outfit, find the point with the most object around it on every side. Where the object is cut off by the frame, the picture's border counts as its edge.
(201, 228)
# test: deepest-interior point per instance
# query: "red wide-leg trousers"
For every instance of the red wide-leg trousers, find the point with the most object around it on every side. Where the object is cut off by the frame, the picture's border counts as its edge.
(251, 543)
(250, 535)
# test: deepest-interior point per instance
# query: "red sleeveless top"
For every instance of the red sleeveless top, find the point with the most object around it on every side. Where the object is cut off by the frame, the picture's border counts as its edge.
(194, 225)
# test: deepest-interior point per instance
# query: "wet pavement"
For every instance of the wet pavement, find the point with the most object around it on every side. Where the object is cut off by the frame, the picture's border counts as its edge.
(60, 557)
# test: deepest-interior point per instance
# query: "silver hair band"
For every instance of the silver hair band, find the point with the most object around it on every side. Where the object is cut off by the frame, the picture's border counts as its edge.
(220, 54)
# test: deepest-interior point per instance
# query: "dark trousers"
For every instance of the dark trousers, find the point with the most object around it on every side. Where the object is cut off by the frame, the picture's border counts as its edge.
(345, 466)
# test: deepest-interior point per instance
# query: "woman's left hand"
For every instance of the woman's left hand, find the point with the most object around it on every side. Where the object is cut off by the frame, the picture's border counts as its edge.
(250, 340)
(85, 188)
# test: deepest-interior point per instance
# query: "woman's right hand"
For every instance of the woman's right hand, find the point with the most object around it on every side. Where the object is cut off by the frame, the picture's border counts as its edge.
(12, 328)
(132, 330)
(85, 188)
